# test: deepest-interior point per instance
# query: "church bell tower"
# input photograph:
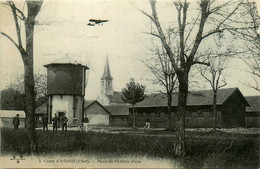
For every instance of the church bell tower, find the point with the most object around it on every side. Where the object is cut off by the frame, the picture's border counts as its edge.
(107, 81)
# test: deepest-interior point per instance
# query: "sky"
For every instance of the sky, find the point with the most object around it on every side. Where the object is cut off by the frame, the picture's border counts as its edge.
(63, 30)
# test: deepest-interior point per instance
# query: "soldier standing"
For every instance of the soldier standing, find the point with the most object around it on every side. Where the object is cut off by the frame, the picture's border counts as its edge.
(55, 122)
(64, 121)
(85, 123)
(16, 122)
(45, 122)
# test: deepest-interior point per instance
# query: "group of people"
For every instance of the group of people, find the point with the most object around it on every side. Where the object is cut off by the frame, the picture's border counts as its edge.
(55, 121)
(63, 120)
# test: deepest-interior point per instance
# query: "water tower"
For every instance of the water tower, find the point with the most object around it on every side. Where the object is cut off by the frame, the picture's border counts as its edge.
(66, 83)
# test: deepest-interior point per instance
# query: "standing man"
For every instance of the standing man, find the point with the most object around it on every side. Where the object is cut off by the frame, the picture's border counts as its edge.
(85, 123)
(147, 123)
(64, 121)
(16, 122)
(45, 122)
(55, 122)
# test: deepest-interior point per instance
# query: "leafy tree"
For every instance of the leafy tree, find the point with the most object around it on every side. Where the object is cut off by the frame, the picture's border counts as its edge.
(26, 50)
(13, 97)
(133, 93)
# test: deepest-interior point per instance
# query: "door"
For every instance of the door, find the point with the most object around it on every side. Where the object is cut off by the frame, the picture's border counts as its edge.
(60, 114)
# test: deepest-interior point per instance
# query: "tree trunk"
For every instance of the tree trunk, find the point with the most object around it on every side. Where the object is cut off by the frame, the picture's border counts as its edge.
(179, 146)
(171, 114)
(29, 84)
(215, 110)
(133, 117)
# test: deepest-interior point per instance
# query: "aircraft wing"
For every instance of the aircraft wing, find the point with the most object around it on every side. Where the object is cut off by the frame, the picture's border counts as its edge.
(97, 20)
(94, 20)
(104, 20)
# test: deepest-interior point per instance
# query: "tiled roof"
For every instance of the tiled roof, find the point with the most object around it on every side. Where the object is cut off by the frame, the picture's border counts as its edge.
(118, 109)
(254, 102)
(42, 109)
(116, 97)
(88, 102)
(65, 60)
(201, 97)
(12, 113)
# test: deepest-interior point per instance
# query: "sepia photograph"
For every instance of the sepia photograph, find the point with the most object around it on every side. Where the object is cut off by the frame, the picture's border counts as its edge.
(130, 84)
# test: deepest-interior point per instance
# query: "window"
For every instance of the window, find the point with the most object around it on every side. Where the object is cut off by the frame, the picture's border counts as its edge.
(200, 114)
(140, 114)
(188, 114)
(162, 114)
(112, 119)
(211, 112)
(148, 114)
(158, 114)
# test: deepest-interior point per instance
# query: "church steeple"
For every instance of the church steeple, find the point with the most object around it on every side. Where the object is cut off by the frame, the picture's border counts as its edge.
(106, 81)
(106, 74)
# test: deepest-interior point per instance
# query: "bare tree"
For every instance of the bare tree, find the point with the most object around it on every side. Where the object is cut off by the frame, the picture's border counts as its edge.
(26, 51)
(252, 42)
(217, 16)
(214, 75)
(162, 69)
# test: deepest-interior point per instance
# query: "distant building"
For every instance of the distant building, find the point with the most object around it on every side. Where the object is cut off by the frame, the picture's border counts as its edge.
(112, 100)
(119, 115)
(7, 116)
(66, 83)
(107, 94)
(40, 111)
(96, 113)
(253, 112)
(231, 109)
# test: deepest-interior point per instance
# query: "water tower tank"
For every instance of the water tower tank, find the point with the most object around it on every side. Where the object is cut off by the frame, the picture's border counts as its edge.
(65, 77)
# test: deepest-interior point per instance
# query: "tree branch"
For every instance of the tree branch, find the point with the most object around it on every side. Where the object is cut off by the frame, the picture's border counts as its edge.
(153, 34)
(202, 63)
(18, 31)
(7, 36)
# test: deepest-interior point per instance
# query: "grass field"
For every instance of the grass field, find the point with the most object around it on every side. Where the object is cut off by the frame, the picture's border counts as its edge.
(203, 149)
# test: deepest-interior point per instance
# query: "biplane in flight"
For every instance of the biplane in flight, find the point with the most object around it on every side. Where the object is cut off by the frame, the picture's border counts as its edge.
(96, 22)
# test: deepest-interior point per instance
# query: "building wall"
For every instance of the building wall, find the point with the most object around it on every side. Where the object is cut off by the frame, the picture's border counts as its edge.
(78, 110)
(98, 120)
(252, 119)
(8, 122)
(102, 99)
(65, 103)
(97, 115)
(120, 120)
(233, 112)
(196, 116)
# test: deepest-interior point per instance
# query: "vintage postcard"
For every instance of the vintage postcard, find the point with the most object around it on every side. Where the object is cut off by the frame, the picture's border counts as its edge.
(129, 84)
